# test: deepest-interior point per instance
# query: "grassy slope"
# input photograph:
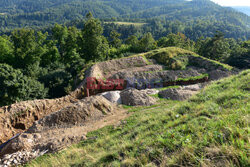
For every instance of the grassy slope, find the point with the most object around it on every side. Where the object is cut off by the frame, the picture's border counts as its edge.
(209, 129)
(172, 52)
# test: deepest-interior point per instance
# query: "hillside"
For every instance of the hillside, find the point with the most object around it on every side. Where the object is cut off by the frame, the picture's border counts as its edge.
(123, 83)
(210, 129)
(28, 13)
(163, 67)
(49, 125)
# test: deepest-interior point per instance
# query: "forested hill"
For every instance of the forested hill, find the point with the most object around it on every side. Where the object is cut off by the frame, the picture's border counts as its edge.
(30, 13)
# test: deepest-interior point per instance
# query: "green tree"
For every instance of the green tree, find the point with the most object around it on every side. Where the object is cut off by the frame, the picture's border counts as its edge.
(216, 48)
(240, 56)
(6, 50)
(133, 43)
(132, 40)
(60, 35)
(95, 45)
(115, 40)
(147, 43)
(67, 40)
(57, 79)
(17, 87)
(51, 54)
(178, 40)
(28, 47)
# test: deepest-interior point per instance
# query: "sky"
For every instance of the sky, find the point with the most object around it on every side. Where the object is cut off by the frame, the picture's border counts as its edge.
(232, 2)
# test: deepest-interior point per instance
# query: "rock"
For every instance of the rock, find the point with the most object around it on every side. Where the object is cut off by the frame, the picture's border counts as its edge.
(134, 97)
(177, 94)
(15, 161)
(113, 97)
(8, 156)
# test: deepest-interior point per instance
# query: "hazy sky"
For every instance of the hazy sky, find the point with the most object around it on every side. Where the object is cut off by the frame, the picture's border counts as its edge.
(233, 2)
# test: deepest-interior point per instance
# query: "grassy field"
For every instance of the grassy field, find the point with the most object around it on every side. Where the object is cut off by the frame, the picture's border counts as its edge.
(127, 23)
(211, 129)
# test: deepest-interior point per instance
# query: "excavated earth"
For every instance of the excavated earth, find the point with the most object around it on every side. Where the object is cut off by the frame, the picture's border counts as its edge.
(48, 125)
(63, 127)
(18, 117)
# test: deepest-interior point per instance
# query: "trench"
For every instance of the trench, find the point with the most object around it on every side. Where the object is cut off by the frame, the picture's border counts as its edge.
(116, 86)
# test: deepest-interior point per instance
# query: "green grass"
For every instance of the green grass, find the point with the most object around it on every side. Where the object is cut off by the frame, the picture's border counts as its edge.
(211, 129)
(168, 87)
(193, 78)
(175, 58)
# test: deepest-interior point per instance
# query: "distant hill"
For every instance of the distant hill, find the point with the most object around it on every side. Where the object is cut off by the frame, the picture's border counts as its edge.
(206, 14)
(243, 9)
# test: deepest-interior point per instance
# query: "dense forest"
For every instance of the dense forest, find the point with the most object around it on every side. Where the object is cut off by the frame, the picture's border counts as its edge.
(193, 18)
(36, 64)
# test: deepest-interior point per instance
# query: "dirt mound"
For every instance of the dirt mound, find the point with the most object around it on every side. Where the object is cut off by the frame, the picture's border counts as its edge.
(112, 66)
(18, 117)
(64, 127)
(74, 115)
(180, 94)
(105, 69)
(134, 97)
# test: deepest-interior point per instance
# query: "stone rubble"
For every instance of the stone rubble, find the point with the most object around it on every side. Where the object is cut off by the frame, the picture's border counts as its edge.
(20, 157)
